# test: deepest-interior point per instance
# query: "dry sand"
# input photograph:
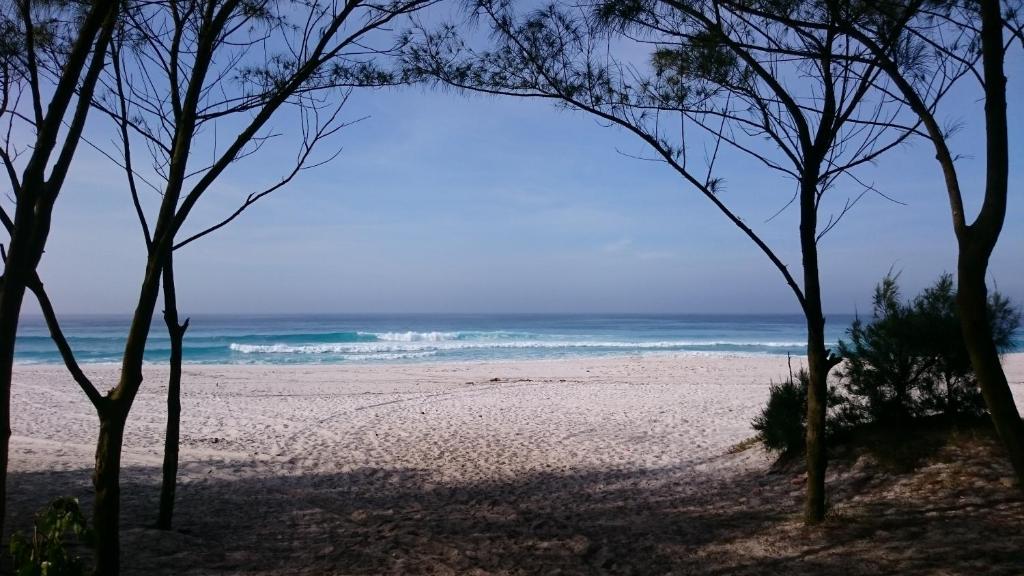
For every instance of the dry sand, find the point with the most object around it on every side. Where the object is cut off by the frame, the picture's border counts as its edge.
(617, 466)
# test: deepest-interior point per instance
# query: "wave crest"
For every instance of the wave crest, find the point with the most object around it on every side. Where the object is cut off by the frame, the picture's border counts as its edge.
(413, 336)
(433, 346)
(345, 351)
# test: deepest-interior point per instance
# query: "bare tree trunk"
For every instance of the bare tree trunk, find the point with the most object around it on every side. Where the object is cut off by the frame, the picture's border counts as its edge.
(979, 239)
(12, 294)
(819, 363)
(106, 481)
(114, 413)
(36, 192)
(19, 267)
(972, 299)
(176, 333)
(817, 461)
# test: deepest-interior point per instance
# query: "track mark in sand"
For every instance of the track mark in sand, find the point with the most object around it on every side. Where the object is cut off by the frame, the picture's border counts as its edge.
(399, 401)
(579, 433)
(459, 391)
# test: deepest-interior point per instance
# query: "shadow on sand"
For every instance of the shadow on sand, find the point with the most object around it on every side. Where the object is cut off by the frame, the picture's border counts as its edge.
(376, 521)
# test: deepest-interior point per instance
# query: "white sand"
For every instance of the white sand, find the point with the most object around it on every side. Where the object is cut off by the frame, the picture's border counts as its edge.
(450, 419)
(287, 435)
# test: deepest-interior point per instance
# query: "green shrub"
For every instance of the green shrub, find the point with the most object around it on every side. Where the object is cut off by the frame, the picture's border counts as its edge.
(910, 360)
(781, 424)
(886, 369)
(44, 554)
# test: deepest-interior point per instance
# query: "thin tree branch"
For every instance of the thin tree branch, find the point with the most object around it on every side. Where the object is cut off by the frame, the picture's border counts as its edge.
(66, 353)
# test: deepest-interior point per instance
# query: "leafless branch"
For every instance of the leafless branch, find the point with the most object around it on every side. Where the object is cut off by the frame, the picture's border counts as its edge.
(66, 353)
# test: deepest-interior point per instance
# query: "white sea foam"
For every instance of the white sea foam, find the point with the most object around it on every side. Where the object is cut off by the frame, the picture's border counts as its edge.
(434, 346)
(347, 351)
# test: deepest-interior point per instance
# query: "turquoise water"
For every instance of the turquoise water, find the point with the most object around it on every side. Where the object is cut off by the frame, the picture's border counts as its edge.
(332, 339)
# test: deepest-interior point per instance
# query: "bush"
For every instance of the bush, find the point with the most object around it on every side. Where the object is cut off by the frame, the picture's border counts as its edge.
(781, 424)
(45, 554)
(910, 361)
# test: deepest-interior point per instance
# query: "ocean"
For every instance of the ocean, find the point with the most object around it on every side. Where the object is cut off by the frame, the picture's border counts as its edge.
(397, 338)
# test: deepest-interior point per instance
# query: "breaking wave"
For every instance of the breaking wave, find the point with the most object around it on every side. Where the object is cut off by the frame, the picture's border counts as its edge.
(326, 339)
(406, 346)
(412, 336)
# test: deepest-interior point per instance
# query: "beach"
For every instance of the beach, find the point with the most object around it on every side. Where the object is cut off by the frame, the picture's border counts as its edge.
(585, 465)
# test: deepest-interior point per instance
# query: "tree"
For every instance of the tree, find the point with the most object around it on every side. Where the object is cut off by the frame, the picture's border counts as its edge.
(976, 240)
(54, 51)
(185, 70)
(172, 438)
(921, 46)
(718, 70)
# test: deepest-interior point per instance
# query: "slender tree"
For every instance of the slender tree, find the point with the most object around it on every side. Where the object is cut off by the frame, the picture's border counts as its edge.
(172, 438)
(119, 106)
(51, 56)
(985, 24)
(799, 102)
(922, 46)
(185, 69)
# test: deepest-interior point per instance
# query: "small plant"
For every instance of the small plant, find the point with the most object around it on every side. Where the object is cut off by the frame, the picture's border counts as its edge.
(782, 423)
(744, 445)
(44, 554)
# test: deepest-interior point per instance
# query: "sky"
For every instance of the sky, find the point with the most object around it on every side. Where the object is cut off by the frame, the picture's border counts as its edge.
(446, 203)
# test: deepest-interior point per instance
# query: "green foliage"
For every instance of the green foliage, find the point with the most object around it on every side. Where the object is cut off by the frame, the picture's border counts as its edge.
(885, 365)
(44, 554)
(621, 13)
(781, 424)
(910, 360)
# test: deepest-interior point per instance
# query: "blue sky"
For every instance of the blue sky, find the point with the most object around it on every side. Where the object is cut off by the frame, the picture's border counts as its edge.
(448, 203)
